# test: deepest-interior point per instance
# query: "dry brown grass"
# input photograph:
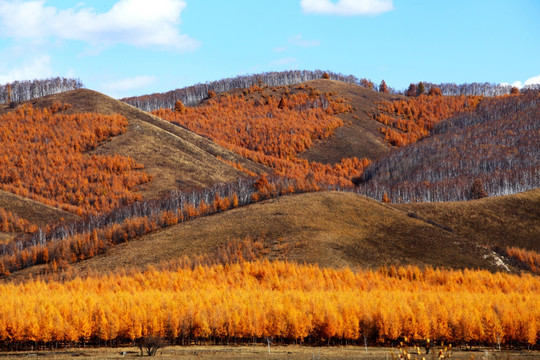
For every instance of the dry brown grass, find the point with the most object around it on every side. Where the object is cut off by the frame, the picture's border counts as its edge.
(259, 351)
(33, 211)
(175, 157)
(332, 229)
(496, 221)
(360, 136)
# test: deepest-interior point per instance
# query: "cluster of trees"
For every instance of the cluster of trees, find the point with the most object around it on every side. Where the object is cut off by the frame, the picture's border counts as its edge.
(10, 222)
(42, 156)
(497, 144)
(528, 258)
(283, 301)
(193, 95)
(73, 241)
(271, 126)
(18, 91)
(409, 120)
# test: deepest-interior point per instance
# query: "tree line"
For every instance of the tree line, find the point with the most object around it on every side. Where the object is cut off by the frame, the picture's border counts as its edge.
(467, 89)
(69, 242)
(18, 91)
(285, 302)
(193, 95)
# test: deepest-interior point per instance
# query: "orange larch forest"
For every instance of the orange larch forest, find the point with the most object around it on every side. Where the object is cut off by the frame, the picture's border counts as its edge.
(42, 157)
(407, 121)
(247, 301)
(272, 128)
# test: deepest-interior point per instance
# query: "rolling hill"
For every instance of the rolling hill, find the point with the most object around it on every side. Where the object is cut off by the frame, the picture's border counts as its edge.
(360, 136)
(512, 220)
(176, 157)
(496, 143)
(332, 229)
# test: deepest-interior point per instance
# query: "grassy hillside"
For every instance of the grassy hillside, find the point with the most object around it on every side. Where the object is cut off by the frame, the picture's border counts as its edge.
(33, 211)
(332, 229)
(504, 221)
(175, 157)
(360, 136)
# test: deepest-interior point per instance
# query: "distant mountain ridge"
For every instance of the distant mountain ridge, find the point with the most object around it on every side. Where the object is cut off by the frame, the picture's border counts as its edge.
(193, 95)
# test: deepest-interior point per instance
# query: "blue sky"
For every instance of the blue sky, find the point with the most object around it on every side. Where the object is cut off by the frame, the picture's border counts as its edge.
(135, 47)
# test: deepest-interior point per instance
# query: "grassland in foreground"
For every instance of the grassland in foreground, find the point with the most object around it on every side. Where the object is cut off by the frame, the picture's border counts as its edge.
(276, 352)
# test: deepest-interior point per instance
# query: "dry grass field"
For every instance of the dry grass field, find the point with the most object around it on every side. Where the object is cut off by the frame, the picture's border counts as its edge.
(504, 220)
(259, 351)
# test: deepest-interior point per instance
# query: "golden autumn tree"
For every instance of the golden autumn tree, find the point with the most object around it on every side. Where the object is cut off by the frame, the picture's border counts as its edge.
(179, 107)
(383, 88)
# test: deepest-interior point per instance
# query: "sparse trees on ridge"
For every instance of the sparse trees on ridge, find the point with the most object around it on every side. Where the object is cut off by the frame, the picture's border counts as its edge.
(18, 91)
(193, 95)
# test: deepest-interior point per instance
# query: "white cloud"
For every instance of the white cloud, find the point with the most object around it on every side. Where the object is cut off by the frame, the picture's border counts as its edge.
(135, 22)
(531, 81)
(346, 7)
(122, 88)
(37, 68)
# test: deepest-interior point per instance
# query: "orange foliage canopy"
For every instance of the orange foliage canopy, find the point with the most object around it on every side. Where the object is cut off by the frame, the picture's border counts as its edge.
(278, 299)
(42, 156)
(409, 120)
(273, 130)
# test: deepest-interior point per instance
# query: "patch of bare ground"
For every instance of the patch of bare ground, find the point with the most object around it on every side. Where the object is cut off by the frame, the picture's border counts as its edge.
(512, 220)
(6, 237)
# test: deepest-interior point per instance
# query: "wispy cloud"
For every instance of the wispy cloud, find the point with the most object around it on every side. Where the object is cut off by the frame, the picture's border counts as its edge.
(139, 23)
(38, 67)
(346, 7)
(123, 87)
(297, 41)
